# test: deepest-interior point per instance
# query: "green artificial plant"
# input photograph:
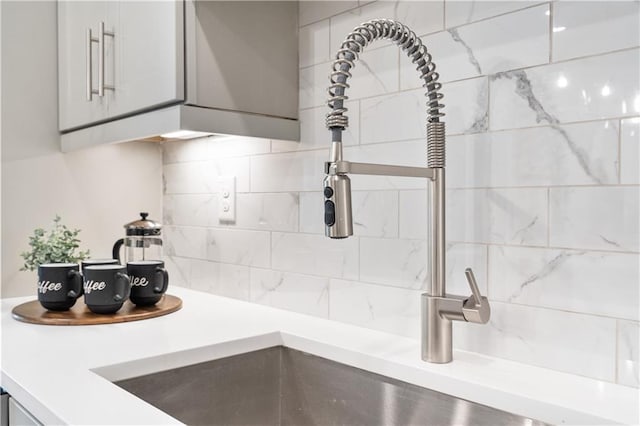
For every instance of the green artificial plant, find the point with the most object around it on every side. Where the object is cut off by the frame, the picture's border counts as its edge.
(59, 245)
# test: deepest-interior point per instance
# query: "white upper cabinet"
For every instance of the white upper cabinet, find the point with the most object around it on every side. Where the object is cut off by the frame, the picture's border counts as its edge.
(149, 66)
(243, 56)
(138, 70)
(117, 58)
(78, 62)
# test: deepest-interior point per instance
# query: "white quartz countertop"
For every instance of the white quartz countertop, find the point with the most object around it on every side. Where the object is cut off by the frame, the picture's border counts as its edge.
(62, 373)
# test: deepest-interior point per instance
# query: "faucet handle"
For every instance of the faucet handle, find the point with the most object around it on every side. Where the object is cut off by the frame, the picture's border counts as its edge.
(476, 308)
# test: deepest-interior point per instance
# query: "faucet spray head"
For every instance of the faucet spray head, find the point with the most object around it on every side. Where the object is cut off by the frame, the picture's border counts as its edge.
(337, 206)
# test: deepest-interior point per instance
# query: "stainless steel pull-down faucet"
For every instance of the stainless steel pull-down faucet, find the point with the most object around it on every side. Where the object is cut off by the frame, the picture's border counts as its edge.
(438, 309)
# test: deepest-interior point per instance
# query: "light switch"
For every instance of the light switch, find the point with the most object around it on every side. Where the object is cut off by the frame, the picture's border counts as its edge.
(227, 199)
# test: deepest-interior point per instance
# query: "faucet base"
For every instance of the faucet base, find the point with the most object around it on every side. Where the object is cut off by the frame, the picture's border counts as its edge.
(438, 313)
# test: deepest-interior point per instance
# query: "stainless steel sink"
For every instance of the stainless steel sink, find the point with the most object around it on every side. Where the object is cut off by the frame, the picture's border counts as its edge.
(282, 386)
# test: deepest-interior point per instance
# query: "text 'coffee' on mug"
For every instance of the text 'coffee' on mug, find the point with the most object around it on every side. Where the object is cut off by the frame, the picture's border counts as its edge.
(149, 281)
(106, 288)
(59, 285)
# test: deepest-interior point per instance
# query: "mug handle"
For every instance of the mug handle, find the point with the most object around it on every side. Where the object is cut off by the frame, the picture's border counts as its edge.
(77, 284)
(123, 287)
(164, 277)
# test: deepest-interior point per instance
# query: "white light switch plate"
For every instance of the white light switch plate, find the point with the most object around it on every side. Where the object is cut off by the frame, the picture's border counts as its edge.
(227, 199)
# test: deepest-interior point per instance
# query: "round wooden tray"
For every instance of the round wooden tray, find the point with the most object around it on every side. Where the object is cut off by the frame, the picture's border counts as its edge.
(33, 312)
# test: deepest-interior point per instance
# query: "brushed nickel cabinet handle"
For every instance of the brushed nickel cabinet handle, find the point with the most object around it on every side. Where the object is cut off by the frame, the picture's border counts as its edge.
(89, 66)
(101, 85)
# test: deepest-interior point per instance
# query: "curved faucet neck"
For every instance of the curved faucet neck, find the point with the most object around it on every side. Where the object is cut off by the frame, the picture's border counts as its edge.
(346, 57)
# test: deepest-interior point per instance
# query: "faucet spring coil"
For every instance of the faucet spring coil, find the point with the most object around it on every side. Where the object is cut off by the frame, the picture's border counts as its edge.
(435, 144)
(355, 43)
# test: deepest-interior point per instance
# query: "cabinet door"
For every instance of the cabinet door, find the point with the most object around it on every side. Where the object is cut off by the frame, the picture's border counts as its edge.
(242, 56)
(74, 19)
(149, 56)
(19, 416)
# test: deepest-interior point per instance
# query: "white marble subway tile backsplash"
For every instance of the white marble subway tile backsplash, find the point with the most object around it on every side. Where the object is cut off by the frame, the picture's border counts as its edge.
(288, 172)
(233, 146)
(597, 283)
(543, 152)
(398, 263)
(312, 11)
(376, 73)
(481, 48)
(312, 212)
(597, 218)
(180, 152)
(628, 353)
(295, 292)
(396, 117)
(413, 219)
(179, 269)
(467, 106)
(592, 88)
(313, 44)
(223, 279)
(315, 255)
(258, 211)
(422, 17)
(578, 154)
(190, 209)
(498, 216)
(187, 178)
(464, 12)
(630, 151)
(582, 28)
(201, 177)
(575, 343)
(375, 213)
(267, 212)
(203, 149)
(240, 247)
(391, 309)
(313, 82)
(185, 241)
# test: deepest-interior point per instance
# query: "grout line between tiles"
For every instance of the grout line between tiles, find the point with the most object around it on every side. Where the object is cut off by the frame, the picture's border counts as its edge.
(617, 355)
(271, 249)
(333, 15)
(567, 311)
(550, 30)
(399, 63)
(449, 188)
(489, 109)
(359, 122)
(551, 186)
(548, 216)
(620, 151)
(488, 270)
(488, 18)
(358, 266)
(399, 215)
(526, 246)
(444, 15)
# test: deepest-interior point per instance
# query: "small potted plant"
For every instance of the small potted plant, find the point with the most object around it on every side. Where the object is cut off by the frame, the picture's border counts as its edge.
(58, 245)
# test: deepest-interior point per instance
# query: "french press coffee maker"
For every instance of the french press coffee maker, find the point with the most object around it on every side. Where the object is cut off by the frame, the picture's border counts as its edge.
(143, 241)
